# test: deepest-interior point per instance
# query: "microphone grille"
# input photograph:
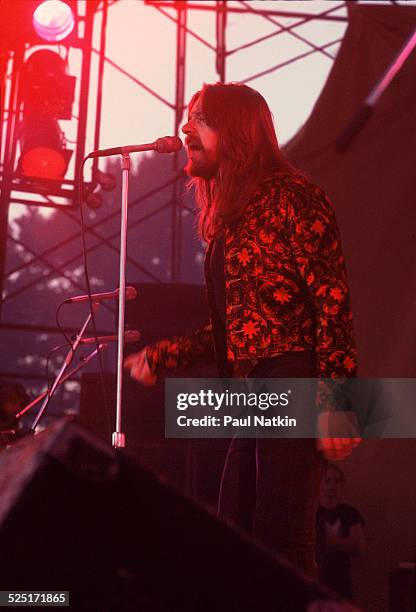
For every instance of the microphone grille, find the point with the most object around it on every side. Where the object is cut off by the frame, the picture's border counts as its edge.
(131, 293)
(168, 144)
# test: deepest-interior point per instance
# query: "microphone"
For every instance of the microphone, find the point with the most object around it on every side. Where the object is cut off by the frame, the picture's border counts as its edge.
(166, 144)
(131, 293)
(132, 335)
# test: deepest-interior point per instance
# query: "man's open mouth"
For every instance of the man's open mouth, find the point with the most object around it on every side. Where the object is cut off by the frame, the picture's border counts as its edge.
(194, 146)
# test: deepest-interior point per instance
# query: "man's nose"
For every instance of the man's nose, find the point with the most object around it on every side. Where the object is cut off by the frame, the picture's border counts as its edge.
(187, 128)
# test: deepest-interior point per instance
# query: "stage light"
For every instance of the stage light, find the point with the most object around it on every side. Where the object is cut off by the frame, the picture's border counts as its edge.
(106, 180)
(47, 95)
(43, 148)
(46, 88)
(43, 162)
(53, 20)
(93, 200)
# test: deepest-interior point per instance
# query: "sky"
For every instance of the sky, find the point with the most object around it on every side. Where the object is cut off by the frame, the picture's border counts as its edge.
(142, 41)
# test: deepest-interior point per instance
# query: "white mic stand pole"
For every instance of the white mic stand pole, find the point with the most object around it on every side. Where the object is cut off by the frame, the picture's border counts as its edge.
(119, 438)
(83, 363)
(61, 372)
(166, 144)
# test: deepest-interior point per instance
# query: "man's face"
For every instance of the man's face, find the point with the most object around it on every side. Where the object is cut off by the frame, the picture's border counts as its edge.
(201, 145)
(330, 489)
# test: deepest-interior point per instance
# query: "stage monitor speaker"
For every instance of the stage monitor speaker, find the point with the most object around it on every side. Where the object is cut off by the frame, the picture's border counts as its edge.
(77, 516)
(403, 589)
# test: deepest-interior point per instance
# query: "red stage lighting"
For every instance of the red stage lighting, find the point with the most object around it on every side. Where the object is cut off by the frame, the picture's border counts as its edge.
(53, 20)
(43, 150)
(47, 94)
(41, 162)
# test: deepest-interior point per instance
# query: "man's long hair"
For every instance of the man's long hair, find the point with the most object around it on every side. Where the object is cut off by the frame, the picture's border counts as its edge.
(248, 152)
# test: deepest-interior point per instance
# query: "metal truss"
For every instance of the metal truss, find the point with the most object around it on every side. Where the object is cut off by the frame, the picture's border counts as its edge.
(14, 187)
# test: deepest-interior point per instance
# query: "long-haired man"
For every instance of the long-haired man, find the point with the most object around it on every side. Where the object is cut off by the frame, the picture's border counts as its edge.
(278, 301)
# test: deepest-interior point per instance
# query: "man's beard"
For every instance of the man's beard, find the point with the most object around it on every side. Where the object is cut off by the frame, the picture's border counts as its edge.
(201, 165)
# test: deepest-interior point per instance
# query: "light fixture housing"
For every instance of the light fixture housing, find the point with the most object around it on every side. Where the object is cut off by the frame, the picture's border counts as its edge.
(44, 154)
(47, 94)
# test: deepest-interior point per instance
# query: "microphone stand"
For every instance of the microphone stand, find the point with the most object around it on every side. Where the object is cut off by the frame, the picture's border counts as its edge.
(40, 397)
(61, 372)
(366, 109)
(166, 144)
(118, 437)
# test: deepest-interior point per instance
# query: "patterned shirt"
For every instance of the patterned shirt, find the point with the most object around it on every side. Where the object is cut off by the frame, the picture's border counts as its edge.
(285, 282)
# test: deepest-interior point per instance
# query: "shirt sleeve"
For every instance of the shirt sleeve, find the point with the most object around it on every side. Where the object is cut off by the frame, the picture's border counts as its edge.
(316, 248)
(181, 351)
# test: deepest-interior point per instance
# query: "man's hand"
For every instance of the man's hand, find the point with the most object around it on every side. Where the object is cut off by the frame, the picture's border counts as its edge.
(139, 368)
(337, 425)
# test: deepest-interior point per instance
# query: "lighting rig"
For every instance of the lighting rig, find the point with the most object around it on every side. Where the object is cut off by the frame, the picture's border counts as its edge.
(46, 73)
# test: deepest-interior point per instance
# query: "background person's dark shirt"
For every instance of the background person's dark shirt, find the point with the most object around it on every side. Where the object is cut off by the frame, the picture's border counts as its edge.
(335, 565)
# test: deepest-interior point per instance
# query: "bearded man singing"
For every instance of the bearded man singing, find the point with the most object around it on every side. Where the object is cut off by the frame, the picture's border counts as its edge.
(278, 300)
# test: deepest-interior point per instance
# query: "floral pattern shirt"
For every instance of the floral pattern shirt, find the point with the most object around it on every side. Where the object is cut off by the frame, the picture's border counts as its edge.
(286, 285)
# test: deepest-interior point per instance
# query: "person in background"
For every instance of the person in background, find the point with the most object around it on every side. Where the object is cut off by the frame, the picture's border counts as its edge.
(13, 398)
(339, 534)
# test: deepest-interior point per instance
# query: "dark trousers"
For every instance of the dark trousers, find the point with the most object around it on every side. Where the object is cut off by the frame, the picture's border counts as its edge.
(269, 487)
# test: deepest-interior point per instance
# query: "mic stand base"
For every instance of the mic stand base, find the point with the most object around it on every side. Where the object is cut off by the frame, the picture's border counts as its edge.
(118, 439)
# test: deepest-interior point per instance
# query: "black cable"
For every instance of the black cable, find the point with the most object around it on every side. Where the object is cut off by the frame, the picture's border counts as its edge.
(91, 305)
(48, 359)
(61, 329)
(57, 348)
